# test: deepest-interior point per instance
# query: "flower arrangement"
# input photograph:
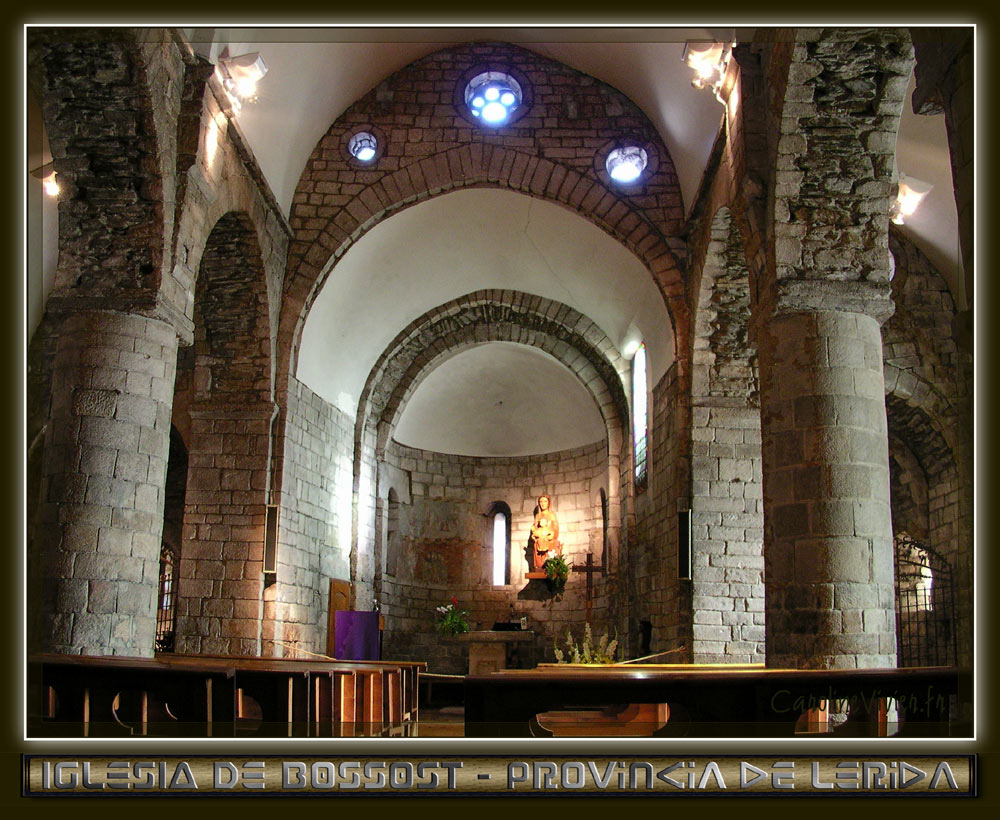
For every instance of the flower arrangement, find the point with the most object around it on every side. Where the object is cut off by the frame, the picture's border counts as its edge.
(586, 652)
(556, 572)
(451, 620)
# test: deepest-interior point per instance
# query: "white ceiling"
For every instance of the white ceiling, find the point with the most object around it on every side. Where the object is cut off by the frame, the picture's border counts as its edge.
(500, 399)
(468, 240)
(474, 239)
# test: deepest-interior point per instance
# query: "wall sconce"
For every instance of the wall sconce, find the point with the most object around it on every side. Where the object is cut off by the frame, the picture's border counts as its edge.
(911, 193)
(240, 76)
(47, 174)
(709, 61)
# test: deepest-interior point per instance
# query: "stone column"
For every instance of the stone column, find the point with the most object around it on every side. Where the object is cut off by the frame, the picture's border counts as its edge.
(95, 570)
(827, 527)
(219, 604)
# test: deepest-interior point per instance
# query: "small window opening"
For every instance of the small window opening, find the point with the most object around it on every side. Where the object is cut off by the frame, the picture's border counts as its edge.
(640, 415)
(499, 515)
(363, 146)
(626, 164)
(167, 608)
(492, 97)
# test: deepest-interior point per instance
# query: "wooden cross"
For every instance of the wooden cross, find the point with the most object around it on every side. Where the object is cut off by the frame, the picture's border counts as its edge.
(590, 568)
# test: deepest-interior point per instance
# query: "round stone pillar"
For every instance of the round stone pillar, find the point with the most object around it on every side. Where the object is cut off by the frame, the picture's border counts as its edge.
(94, 571)
(828, 553)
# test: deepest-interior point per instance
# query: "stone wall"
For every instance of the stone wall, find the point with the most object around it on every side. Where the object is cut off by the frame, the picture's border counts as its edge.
(444, 547)
(314, 525)
(928, 401)
(657, 596)
(430, 144)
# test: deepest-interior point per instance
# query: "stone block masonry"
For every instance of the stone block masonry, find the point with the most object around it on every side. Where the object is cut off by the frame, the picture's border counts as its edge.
(314, 527)
(445, 546)
(828, 544)
(103, 476)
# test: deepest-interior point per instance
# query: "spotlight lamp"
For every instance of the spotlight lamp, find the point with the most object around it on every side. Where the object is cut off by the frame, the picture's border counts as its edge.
(709, 61)
(47, 174)
(240, 76)
(911, 193)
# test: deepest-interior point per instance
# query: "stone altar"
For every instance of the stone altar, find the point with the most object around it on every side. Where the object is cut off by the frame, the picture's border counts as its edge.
(488, 648)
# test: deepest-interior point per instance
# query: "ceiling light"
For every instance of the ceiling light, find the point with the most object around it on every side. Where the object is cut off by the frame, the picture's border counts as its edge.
(626, 164)
(709, 61)
(911, 193)
(240, 76)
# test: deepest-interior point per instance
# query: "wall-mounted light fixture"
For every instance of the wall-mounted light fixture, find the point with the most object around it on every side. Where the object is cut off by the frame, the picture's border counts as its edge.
(47, 174)
(709, 61)
(240, 76)
(911, 193)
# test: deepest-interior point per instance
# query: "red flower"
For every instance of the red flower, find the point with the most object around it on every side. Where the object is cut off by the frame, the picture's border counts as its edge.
(454, 601)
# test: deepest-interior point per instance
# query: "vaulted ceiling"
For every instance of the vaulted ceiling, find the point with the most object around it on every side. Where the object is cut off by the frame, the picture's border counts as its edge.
(474, 239)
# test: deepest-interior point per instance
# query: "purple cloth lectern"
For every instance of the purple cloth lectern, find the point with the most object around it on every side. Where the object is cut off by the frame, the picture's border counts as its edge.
(356, 636)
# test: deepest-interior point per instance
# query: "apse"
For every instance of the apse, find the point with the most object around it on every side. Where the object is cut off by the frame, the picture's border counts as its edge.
(526, 403)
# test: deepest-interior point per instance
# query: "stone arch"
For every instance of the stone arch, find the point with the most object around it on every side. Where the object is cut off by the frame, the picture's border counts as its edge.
(922, 362)
(486, 316)
(726, 463)
(112, 210)
(916, 428)
(474, 319)
(232, 337)
(221, 570)
(541, 155)
(911, 428)
(228, 182)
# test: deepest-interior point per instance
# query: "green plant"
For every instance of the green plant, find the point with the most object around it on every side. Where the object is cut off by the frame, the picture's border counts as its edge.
(556, 573)
(586, 652)
(451, 620)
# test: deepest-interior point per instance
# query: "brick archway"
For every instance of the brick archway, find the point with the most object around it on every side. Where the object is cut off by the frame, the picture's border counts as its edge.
(231, 411)
(547, 153)
(486, 316)
(479, 318)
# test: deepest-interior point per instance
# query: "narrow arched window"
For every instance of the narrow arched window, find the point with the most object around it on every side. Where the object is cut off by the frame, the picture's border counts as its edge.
(392, 534)
(499, 534)
(167, 606)
(640, 415)
(604, 527)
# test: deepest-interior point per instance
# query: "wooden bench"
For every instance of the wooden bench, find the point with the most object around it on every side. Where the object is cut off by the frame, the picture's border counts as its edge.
(710, 701)
(207, 696)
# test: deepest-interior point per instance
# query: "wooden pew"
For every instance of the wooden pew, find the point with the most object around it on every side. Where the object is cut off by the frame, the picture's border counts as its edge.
(210, 696)
(713, 701)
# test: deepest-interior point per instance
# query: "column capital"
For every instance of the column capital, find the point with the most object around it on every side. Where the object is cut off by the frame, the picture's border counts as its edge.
(135, 302)
(794, 295)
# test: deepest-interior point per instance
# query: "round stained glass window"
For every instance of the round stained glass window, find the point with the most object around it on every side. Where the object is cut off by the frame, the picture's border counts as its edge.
(626, 164)
(492, 97)
(362, 146)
